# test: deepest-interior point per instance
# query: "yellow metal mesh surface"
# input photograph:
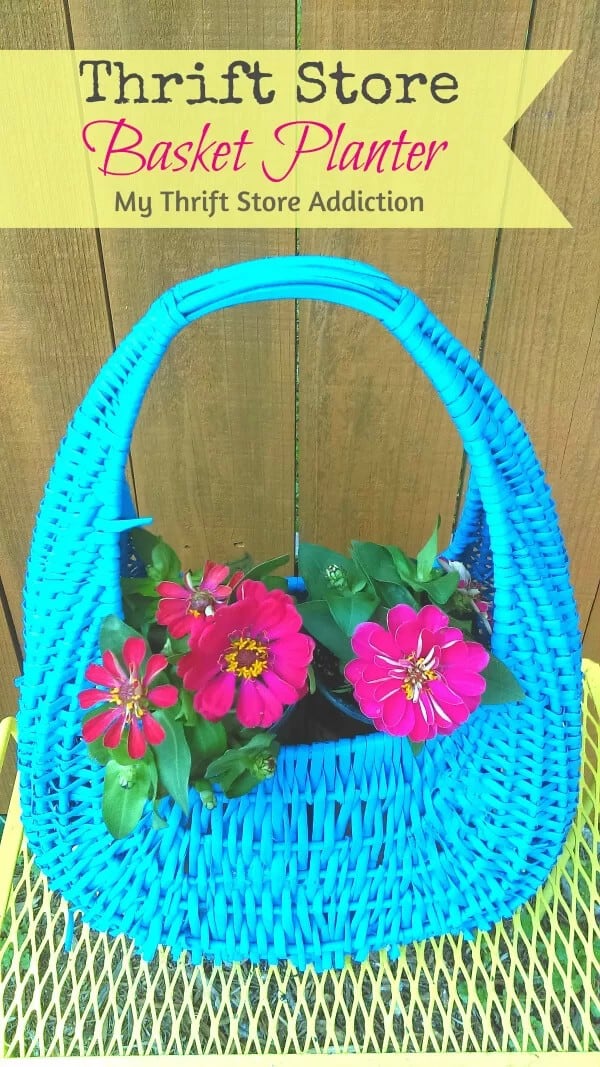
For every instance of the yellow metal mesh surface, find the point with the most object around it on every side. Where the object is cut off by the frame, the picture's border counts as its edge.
(532, 984)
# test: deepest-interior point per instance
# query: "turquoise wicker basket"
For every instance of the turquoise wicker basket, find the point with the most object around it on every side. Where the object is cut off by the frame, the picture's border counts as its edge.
(354, 845)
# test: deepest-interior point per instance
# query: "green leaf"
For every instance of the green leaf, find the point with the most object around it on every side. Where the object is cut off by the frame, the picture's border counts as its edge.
(405, 567)
(99, 752)
(313, 561)
(174, 647)
(348, 611)
(245, 783)
(319, 622)
(125, 793)
(359, 585)
(114, 633)
(231, 764)
(173, 759)
(223, 772)
(143, 586)
(207, 741)
(273, 581)
(312, 682)
(158, 823)
(244, 563)
(501, 685)
(416, 746)
(466, 625)
(139, 612)
(441, 589)
(375, 561)
(144, 543)
(233, 759)
(150, 762)
(157, 637)
(205, 789)
(165, 565)
(257, 572)
(396, 594)
(184, 709)
(428, 554)
(260, 741)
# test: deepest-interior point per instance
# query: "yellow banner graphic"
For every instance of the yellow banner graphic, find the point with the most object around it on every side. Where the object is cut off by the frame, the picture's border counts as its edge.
(269, 139)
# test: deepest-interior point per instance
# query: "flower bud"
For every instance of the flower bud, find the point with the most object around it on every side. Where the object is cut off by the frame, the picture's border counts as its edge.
(336, 576)
(207, 795)
(263, 767)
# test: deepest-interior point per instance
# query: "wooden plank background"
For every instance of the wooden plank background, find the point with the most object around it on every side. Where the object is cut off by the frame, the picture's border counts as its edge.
(213, 457)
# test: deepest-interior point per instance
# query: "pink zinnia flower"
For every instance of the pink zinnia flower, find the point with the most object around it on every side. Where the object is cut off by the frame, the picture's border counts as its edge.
(469, 589)
(130, 698)
(189, 607)
(418, 677)
(252, 657)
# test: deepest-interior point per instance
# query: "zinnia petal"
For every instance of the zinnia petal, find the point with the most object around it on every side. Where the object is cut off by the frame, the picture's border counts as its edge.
(420, 731)
(173, 591)
(249, 705)
(113, 735)
(369, 638)
(95, 727)
(354, 670)
(288, 626)
(280, 689)
(292, 672)
(89, 697)
(197, 674)
(185, 626)
(163, 696)
(398, 714)
(271, 709)
(252, 589)
(153, 731)
(217, 698)
(214, 575)
(154, 666)
(464, 682)
(136, 742)
(448, 712)
(134, 651)
(400, 615)
(172, 612)
(113, 666)
(100, 675)
(407, 638)
(443, 692)
(296, 650)
(431, 618)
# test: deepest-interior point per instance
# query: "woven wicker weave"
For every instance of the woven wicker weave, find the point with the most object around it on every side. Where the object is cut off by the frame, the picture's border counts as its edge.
(354, 845)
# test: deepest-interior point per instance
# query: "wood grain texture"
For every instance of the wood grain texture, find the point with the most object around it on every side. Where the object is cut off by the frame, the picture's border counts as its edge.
(591, 641)
(543, 343)
(213, 453)
(379, 457)
(54, 333)
(9, 670)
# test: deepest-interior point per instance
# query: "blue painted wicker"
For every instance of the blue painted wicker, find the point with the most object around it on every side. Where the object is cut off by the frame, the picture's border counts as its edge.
(354, 845)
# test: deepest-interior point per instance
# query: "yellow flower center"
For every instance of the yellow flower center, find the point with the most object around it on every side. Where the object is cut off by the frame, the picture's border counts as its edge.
(418, 673)
(132, 698)
(246, 657)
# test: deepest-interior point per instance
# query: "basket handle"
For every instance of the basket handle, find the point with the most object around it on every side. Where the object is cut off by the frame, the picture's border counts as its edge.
(81, 516)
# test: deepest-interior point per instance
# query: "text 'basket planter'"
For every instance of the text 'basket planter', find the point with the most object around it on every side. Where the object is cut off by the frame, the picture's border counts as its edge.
(354, 845)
